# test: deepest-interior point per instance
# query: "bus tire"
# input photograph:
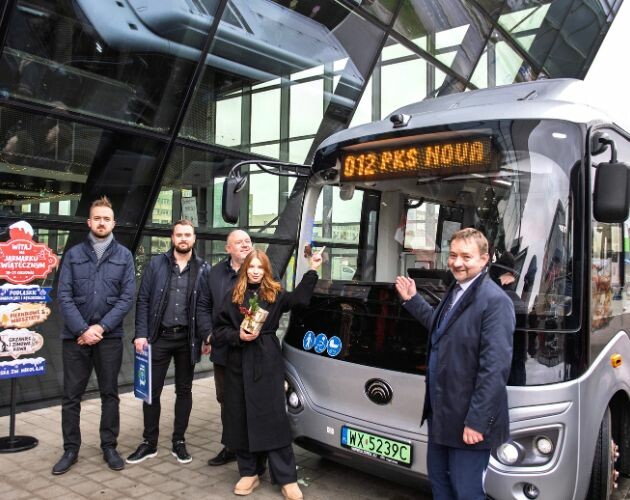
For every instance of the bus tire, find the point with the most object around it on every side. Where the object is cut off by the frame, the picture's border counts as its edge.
(621, 435)
(603, 473)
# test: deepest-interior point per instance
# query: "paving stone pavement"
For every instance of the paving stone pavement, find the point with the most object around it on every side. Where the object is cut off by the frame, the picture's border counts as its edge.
(27, 475)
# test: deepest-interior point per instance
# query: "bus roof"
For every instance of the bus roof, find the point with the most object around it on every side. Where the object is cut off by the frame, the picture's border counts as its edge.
(562, 99)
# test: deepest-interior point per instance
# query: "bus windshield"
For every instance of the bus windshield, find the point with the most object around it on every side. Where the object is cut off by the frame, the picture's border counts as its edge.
(395, 220)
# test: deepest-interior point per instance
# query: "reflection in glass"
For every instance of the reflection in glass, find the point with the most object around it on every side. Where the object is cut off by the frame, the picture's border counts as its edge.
(272, 72)
(452, 27)
(57, 168)
(127, 61)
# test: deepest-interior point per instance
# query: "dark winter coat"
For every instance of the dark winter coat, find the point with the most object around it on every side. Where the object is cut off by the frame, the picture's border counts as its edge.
(255, 417)
(153, 297)
(474, 360)
(92, 291)
(219, 284)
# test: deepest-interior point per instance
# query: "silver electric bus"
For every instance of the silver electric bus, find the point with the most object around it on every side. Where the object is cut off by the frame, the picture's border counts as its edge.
(541, 173)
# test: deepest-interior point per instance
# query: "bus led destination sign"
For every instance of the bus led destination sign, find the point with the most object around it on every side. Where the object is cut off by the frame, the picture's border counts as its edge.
(452, 157)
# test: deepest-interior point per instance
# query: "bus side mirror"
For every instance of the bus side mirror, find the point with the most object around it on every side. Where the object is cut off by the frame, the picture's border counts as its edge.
(611, 196)
(231, 201)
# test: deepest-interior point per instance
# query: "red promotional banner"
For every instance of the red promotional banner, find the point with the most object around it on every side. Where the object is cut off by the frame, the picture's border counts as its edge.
(21, 259)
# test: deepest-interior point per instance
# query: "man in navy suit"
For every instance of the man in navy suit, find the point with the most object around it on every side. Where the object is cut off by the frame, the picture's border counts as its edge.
(470, 354)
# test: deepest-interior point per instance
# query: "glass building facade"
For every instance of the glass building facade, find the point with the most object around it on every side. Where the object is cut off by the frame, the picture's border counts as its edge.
(151, 102)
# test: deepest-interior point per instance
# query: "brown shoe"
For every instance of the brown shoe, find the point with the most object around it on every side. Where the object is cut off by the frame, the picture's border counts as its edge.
(292, 491)
(246, 485)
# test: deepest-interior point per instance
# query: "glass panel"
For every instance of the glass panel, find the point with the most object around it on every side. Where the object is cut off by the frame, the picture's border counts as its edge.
(306, 108)
(363, 113)
(298, 150)
(337, 220)
(381, 9)
(122, 60)
(501, 65)
(263, 202)
(402, 83)
(56, 168)
(448, 26)
(265, 116)
(561, 37)
(286, 63)
(229, 124)
(192, 188)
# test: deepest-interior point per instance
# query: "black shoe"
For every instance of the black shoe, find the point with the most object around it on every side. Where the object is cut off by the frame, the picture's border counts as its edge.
(111, 456)
(68, 459)
(144, 451)
(180, 453)
(225, 456)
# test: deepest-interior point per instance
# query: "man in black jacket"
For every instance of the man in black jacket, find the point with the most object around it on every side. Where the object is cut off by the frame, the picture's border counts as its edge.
(96, 288)
(165, 319)
(219, 285)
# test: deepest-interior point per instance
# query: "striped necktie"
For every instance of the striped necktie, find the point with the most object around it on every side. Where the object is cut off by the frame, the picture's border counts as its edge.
(451, 301)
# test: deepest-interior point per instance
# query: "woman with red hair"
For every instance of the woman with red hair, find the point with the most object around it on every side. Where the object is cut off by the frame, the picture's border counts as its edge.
(255, 423)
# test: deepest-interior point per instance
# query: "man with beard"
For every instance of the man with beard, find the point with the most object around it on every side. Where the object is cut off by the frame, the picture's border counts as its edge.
(165, 318)
(95, 293)
(213, 294)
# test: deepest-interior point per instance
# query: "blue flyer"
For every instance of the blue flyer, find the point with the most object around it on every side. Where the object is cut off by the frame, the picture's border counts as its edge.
(142, 375)
(22, 368)
(26, 293)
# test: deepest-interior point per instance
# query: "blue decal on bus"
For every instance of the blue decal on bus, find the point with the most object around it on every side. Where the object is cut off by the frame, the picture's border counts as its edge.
(309, 340)
(320, 343)
(334, 346)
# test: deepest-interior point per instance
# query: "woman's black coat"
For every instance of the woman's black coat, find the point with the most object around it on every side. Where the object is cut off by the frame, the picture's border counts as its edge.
(254, 409)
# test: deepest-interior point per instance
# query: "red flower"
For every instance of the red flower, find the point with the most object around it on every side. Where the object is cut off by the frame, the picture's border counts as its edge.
(244, 311)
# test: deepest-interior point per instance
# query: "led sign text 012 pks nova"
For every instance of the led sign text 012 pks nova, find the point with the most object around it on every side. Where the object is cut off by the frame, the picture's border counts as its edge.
(452, 157)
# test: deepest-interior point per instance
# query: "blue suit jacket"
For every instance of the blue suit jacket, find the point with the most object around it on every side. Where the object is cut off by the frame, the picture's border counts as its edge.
(473, 365)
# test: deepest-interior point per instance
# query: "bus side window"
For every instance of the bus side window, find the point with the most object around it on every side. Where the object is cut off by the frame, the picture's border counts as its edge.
(606, 279)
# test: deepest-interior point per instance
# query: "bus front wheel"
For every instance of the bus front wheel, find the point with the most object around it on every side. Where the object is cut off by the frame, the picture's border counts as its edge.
(603, 474)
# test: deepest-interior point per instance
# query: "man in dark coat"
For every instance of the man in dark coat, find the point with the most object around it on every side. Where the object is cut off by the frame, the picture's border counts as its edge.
(470, 355)
(96, 289)
(213, 292)
(166, 319)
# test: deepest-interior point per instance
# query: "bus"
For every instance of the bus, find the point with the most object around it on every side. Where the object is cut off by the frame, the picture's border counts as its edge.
(542, 174)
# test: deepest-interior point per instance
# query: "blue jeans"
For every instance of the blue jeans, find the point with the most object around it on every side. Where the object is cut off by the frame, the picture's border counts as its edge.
(456, 473)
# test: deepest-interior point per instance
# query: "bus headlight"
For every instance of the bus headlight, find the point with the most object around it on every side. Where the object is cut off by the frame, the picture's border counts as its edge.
(508, 453)
(529, 448)
(294, 404)
(544, 445)
(292, 400)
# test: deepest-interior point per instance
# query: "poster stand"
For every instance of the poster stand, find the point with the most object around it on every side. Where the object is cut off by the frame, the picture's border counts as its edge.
(13, 443)
(22, 260)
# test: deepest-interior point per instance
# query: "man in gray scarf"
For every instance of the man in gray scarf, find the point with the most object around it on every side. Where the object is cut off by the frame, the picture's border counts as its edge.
(96, 291)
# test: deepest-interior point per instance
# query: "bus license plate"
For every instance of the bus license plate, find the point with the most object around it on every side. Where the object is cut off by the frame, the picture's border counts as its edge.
(389, 450)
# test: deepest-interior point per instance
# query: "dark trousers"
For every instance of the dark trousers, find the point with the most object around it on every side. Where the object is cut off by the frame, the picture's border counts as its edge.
(281, 464)
(78, 361)
(162, 350)
(456, 473)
